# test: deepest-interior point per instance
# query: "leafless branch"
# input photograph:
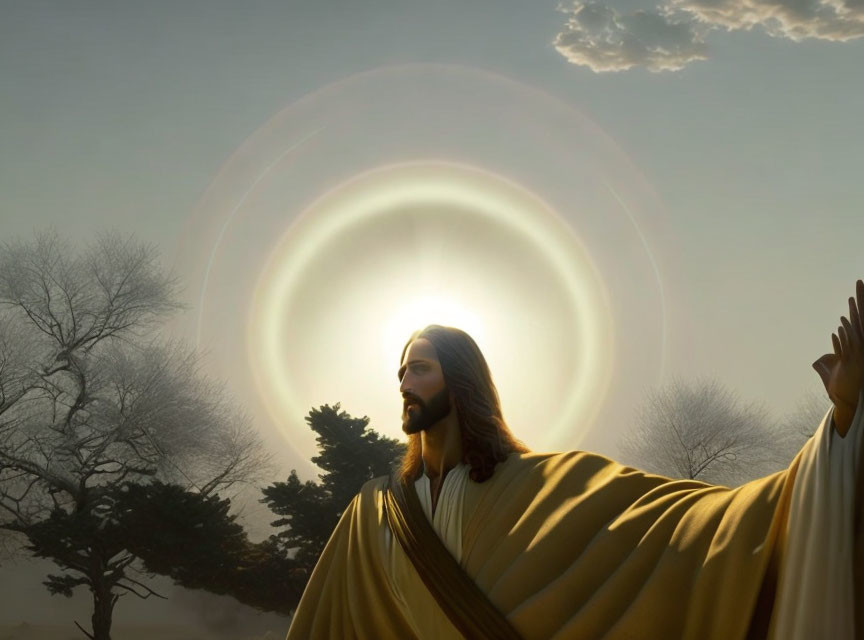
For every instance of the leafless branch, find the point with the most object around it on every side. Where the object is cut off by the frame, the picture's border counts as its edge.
(148, 591)
(701, 430)
(91, 396)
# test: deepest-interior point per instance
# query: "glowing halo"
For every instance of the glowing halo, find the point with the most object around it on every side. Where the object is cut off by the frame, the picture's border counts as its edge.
(228, 220)
(381, 191)
(655, 269)
(371, 123)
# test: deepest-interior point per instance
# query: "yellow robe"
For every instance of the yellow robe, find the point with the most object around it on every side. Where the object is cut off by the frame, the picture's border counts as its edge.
(574, 545)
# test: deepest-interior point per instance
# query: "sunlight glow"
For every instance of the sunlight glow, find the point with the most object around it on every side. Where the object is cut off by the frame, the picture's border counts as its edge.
(419, 311)
(544, 328)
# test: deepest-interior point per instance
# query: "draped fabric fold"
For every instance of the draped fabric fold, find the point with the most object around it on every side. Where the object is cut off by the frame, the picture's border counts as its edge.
(574, 545)
(816, 595)
(457, 595)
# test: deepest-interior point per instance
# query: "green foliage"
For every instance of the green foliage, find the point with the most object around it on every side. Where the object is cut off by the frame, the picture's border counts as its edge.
(350, 455)
(178, 533)
(84, 542)
(309, 513)
(192, 539)
(63, 584)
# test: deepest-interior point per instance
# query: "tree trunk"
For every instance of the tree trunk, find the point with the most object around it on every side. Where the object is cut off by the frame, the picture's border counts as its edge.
(103, 608)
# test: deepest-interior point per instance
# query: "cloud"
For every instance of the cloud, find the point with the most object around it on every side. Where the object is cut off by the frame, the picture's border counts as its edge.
(599, 37)
(672, 36)
(837, 20)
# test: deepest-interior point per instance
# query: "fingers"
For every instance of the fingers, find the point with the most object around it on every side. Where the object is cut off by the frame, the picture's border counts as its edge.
(855, 321)
(851, 334)
(856, 310)
(856, 334)
(859, 293)
(844, 340)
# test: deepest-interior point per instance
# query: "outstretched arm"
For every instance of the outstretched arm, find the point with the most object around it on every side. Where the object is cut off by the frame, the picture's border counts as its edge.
(842, 372)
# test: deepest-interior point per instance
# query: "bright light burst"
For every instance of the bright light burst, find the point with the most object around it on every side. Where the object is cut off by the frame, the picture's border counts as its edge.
(486, 256)
(417, 311)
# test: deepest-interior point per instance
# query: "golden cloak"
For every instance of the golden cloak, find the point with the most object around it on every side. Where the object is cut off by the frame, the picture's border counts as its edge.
(574, 545)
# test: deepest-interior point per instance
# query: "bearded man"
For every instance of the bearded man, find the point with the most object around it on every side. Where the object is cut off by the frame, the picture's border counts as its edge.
(475, 536)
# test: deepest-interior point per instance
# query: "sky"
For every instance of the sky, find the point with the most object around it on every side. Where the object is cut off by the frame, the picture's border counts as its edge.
(686, 179)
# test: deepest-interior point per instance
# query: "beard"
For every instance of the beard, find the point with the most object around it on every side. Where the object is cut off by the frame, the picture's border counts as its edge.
(427, 413)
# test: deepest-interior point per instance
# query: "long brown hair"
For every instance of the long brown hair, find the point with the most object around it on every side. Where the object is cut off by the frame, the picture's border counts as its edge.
(486, 438)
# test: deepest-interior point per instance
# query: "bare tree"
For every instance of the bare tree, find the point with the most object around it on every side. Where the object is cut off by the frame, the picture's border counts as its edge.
(90, 399)
(807, 415)
(702, 431)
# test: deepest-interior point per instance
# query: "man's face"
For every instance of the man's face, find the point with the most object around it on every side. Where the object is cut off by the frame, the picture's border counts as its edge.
(425, 397)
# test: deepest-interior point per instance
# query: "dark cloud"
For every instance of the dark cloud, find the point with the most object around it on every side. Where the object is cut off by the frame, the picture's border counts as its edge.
(603, 39)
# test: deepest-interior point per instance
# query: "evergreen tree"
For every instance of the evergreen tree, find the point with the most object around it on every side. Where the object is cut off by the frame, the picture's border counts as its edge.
(191, 538)
(350, 454)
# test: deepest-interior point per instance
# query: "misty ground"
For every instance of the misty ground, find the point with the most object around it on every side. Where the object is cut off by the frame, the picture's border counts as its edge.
(29, 612)
(25, 631)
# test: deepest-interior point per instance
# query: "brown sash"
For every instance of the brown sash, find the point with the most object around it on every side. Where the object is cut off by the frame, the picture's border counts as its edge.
(468, 608)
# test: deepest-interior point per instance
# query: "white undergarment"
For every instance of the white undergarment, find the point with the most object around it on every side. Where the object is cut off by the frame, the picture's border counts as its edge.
(817, 591)
(420, 609)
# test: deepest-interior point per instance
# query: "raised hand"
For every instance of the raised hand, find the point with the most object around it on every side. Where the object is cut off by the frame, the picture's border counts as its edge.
(842, 372)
